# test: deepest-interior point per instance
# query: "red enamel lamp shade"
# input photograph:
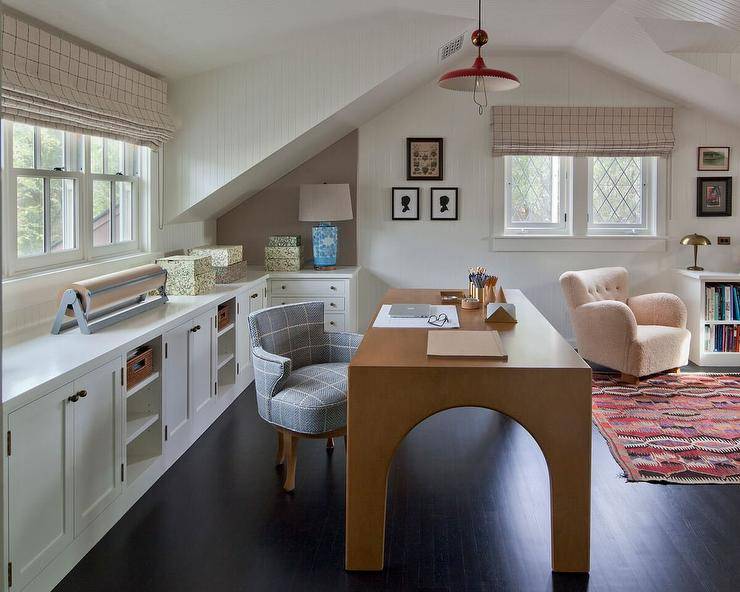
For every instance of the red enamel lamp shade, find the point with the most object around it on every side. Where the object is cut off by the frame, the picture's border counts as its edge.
(464, 79)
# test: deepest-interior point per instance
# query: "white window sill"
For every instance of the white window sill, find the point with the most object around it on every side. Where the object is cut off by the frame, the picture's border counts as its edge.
(36, 288)
(592, 244)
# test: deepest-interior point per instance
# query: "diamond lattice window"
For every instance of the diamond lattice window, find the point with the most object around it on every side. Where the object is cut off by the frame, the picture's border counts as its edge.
(534, 189)
(617, 197)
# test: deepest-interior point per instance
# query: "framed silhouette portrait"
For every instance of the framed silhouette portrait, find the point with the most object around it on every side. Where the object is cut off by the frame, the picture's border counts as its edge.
(405, 203)
(444, 203)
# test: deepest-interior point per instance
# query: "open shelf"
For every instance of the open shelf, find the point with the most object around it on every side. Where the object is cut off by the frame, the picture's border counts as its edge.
(224, 359)
(138, 423)
(142, 385)
(136, 465)
(226, 329)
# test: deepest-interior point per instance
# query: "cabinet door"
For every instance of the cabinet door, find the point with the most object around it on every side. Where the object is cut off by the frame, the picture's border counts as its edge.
(175, 387)
(97, 442)
(39, 484)
(202, 362)
(243, 357)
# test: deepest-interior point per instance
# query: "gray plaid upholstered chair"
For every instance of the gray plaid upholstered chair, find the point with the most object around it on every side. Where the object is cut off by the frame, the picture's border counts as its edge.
(300, 374)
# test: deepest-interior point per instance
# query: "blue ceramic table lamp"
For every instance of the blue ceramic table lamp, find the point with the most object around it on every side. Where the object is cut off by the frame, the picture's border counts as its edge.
(325, 203)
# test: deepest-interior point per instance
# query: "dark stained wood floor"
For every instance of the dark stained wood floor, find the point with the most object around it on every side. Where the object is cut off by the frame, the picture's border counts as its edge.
(468, 510)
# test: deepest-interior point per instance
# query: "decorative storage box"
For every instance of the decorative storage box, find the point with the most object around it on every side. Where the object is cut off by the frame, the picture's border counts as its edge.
(224, 316)
(188, 275)
(284, 253)
(139, 366)
(284, 240)
(282, 264)
(221, 255)
(231, 273)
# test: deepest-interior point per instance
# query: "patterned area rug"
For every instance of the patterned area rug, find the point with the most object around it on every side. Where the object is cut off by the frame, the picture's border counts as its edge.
(672, 428)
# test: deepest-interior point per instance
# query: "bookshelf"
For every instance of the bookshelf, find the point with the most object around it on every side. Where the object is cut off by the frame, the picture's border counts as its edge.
(713, 315)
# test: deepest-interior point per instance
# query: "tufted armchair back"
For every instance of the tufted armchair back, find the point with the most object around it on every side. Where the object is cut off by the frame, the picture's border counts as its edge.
(592, 285)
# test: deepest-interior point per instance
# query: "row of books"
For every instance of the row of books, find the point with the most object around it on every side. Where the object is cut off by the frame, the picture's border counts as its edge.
(722, 302)
(722, 338)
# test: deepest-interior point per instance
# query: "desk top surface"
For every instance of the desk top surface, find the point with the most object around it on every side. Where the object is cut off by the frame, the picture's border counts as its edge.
(532, 342)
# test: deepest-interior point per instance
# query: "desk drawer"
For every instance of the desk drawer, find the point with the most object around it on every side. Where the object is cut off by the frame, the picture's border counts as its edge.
(330, 304)
(334, 322)
(328, 287)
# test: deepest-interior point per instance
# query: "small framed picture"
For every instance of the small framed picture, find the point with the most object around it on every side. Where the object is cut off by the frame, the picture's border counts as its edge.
(405, 203)
(712, 158)
(424, 159)
(444, 204)
(714, 196)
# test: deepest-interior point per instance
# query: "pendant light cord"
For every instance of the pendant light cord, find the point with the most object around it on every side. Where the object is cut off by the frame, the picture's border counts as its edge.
(478, 79)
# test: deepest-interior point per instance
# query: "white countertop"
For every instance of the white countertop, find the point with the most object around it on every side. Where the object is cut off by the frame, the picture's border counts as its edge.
(707, 275)
(34, 364)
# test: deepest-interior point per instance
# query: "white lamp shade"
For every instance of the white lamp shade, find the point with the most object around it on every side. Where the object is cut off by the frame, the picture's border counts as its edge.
(325, 202)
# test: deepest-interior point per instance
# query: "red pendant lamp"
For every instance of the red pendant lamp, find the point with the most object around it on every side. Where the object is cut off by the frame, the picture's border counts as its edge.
(479, 79)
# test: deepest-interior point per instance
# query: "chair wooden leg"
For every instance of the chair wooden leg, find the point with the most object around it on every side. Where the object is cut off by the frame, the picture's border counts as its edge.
(629, 379)
(280, 458)
(291, 446)
(330, 443)
(676, 370)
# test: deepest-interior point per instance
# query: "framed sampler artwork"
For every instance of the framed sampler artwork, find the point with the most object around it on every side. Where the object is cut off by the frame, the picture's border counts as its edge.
(424, 159)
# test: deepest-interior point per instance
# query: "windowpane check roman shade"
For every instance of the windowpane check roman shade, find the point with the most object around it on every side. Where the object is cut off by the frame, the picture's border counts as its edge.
(583, 131)
(52, 82)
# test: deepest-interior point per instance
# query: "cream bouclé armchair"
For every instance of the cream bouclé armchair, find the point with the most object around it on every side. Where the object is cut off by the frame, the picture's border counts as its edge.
(637, 336)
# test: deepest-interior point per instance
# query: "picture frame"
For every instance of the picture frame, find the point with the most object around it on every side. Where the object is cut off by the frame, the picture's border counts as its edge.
(403, 208)
(713, 196)
(424, 159)
(444, 203)
(713, 158)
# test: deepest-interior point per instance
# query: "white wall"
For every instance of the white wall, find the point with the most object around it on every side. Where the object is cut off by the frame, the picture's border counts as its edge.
(437, 254)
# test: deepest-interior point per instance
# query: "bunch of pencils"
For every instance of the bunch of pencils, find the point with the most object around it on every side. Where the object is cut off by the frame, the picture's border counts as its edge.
(478, 276)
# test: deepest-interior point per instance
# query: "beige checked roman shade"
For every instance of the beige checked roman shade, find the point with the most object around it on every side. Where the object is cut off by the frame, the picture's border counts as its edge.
(52, 82)
(583, 131)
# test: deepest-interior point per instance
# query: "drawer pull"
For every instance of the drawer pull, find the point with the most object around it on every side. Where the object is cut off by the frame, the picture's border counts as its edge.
(282, 303)
(254, 295)
(333, 287)
(82, 394)
(332, 323)
(73, 398)
(195, 329)
(282, 287)
(333, 304)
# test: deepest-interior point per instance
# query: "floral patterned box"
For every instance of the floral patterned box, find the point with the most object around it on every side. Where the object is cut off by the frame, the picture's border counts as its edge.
(284, 253)
(231, 273)
(284, 240)
(293, 264)
(188, 275)
(221, 255)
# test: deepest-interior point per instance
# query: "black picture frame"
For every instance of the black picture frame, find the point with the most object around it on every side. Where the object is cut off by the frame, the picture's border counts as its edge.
(415, 197)
(718, 150)
(704, 209)
(453, 193)
(411, 156)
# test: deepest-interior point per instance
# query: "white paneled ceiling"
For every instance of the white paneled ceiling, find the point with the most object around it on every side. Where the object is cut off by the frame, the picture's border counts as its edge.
(177, 38)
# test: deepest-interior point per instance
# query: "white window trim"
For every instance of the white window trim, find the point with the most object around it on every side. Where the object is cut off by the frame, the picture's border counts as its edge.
(579, 240)
(562, 226)
(85, 252)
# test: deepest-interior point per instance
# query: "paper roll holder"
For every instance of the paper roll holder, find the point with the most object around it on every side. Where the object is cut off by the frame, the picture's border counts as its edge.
(99, 319)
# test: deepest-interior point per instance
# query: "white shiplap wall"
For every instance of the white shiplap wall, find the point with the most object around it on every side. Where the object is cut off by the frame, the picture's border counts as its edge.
(437, 254)
(234, 118)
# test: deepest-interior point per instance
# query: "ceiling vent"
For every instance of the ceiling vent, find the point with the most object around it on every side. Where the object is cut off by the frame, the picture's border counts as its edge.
(451, 48)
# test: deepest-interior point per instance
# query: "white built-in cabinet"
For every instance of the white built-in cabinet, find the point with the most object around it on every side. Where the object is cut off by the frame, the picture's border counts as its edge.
(79, 455)
(64, 468)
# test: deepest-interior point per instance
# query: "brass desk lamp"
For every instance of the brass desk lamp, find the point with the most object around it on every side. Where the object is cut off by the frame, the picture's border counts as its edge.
(696, 240)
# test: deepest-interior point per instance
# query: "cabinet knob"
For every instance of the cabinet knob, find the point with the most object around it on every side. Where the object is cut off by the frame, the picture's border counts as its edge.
(332, 323)
(282, 287)
(73, 398)
(254, 295)
(333, 304)
(333, 287)
(82, 393)
(195, 329)
(282, 303)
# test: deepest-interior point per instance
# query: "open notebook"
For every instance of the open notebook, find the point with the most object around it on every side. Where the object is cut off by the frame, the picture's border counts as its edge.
(466, 344)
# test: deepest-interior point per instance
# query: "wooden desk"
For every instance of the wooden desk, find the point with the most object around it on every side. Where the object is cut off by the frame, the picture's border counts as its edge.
(393, 386)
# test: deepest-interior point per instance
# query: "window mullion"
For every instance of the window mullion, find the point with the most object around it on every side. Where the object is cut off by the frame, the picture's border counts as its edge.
(47, 214)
